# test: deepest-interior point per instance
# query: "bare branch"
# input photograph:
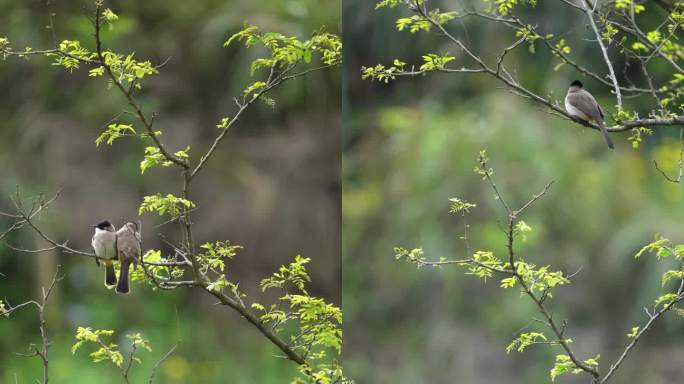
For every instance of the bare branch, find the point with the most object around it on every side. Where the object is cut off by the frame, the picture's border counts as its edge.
(166, 356)
(534, 198)
(41, 352)
(680, 162)
(589, 10)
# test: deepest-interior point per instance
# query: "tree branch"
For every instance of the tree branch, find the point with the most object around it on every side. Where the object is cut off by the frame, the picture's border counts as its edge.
(652, 319)
(41, 352)
(129, 95)
(589, 10)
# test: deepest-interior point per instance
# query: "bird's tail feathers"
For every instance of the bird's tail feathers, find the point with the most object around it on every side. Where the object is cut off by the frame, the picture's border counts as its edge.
(604, 131)
(110, 274)
(122, 286)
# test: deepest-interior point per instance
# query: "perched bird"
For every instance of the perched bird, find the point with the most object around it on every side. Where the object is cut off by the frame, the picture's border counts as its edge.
(581, 104)
(128, 247)
(104, 245)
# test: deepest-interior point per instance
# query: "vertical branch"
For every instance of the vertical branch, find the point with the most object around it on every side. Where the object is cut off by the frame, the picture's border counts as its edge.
(51, 24)
(42, 351)
(186, 224)
(589, 10)
(129, 364)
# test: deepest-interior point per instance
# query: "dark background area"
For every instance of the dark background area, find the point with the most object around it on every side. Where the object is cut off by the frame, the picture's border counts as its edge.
(273, 186)
(412, 144)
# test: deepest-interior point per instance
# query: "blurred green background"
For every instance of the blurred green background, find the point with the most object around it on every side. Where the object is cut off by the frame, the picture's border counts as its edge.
(273, 186)
(411, 145)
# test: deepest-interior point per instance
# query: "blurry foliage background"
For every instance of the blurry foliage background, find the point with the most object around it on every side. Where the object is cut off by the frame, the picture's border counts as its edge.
(412, 144)
(272, 187)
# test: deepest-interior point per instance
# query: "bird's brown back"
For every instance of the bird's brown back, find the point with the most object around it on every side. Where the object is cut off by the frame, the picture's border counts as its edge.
(585, 102)
(127, 243)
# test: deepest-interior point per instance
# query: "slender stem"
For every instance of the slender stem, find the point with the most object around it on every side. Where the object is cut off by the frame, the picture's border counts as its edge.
(187, 226)
(125, 372)
(589, 10)
(166, 356)
(41, 352)
(47, 52)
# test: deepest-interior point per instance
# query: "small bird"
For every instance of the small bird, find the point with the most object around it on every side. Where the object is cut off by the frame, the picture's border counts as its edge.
(104, 245)
(128, 247)
(581, 104)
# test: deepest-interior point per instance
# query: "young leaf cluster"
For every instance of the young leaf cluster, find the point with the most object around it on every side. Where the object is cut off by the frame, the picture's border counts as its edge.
(283, 54)
(564, 364)
(154, 271)
(662, 249)
(109, 351)
(169, 205)
(318, 333)
(525, 340)
(115, 131)
(459, 206)
(106, 351)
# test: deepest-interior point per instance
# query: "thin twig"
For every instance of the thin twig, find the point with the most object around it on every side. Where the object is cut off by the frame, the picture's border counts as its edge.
(589, 10)
(680, 162)
(166, 356)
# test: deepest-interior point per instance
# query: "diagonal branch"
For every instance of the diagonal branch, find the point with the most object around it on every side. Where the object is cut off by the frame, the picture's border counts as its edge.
(147, 123)
(651, 320)
(260, 326)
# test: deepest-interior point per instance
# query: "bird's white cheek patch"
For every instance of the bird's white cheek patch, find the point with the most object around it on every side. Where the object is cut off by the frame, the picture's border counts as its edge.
(574, 111)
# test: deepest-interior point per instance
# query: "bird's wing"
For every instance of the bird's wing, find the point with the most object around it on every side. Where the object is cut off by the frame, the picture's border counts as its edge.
(586, 103)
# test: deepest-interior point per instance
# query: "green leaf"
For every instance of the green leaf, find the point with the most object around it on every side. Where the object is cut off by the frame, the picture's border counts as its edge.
(508, 282)
(562, 366)
(295, 273)
(460, 206)
(523, 229)
(109, 16)
(633, 333)
(153, 156)
(525, 340)
(113, 132)
(169, 204)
